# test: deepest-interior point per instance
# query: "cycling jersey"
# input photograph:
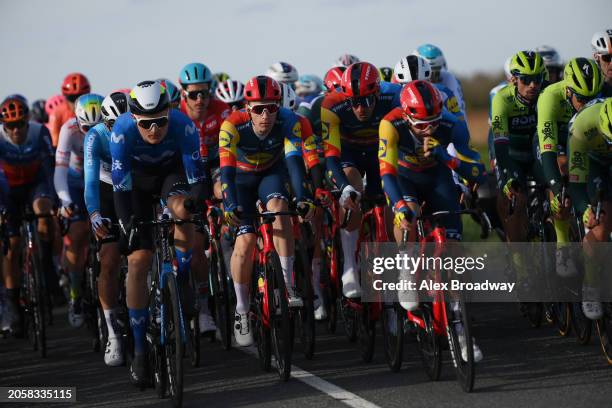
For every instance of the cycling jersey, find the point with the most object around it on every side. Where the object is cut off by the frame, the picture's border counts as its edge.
(590, 157)
(451, 82)
(450, 101)
(30, 161)
(241, 151)
(399, 146)
(4, 190)
(513, 126)
(342, 130)
(309, 148)
(312, 111)
(492, 94)
(130, 154)
(209, 128)
(69, 162)
(60, 115)
(97, 164)
(554, 114)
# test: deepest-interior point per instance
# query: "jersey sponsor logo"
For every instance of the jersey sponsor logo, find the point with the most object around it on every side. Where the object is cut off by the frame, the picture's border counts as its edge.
(548, 146)
(475, 171)
(577, 162)
(496, 124)
(591, 133)
(225, 139)
(258, 158)
(547, 131)
(523, 120)
(382, 149)
(297, 129)
(117, 165)
(195, 156)
(117, 138)
(452, 105)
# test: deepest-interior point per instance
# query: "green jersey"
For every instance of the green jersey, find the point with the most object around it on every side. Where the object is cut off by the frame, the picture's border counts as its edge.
(554, 115)
(589, 152)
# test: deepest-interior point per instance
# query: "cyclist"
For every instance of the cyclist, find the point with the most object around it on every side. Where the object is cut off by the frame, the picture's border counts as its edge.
(283, 73)
(173, 92)
(590, 158)
(345, 60)
(386, 73)
(307, 88)
(602, 52)
(207, 113)
(258, 147)
(73, 86)
(411, 68)
(416, 136)
(333, 77)
(232, 93)
(155, 151)
(69, 185)
(99, 201)
(315, 175)
(440, 74)
(513, 127)
(553, 63)
(219, 77)
(26, 157)
(556, 106)
(38, 111)
(349, 122)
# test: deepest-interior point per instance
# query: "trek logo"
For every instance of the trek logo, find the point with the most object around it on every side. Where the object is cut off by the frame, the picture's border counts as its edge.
(117, 138)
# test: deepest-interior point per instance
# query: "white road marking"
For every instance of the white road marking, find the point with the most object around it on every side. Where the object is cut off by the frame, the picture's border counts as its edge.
(335, 392)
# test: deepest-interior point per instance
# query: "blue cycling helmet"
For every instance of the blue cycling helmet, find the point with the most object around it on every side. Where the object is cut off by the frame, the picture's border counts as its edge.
(173, 91)
(308, 84)
(195, 73)
(432, 54)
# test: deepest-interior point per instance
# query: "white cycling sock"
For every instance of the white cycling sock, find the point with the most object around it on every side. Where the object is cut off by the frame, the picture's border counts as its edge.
(316, 276)
(349, 247)
(109, 316)
(287, 267)
(242, 297)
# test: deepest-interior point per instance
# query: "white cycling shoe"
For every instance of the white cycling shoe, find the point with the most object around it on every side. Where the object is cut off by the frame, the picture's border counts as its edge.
(242, 329)
(477, 352)
(207, 323)
(113, 355)
(350, 284)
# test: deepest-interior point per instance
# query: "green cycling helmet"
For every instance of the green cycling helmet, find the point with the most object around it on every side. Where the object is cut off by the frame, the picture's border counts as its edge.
(527, 63)
(605, 119)
(583, 77)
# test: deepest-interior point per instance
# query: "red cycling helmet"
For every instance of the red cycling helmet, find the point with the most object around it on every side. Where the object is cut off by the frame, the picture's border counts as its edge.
(421, 100)
(75, 84)
(14, 110)
(333, 78)
(262, 88)
(360, 79)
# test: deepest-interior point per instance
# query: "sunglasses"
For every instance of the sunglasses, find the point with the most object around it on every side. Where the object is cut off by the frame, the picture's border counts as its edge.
(147, 123)
(580, 98)
(425, 124)
(605, 57)
(528, 79)
(15, 125)
(365, 101)
(193, 95)
(259, 109)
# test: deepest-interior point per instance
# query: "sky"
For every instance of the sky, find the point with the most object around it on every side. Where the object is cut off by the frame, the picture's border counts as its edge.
(119, 43)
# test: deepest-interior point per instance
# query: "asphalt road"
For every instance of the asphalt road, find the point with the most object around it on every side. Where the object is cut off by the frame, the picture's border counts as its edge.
(522, 367)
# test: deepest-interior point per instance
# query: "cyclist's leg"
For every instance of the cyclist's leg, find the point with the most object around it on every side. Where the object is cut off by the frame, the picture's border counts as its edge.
(274, 195)
(515, 224)
(350, 234)
(369, 163)
(42, 204)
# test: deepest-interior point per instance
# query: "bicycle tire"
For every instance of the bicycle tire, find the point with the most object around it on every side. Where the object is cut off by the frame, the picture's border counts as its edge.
(222, 295)
(39, 296)
(464, 370)
(604, 331)
(429, 344)
(174, 347)
(335, 261)
(393, 343)
(305, 315)
(281, 321)
(366, 328)
(582, 325)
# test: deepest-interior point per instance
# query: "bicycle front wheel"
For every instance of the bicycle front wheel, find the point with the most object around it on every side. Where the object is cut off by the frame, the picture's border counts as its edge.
(460, 341)
(280, 318)
(393, 335)
(174, 340)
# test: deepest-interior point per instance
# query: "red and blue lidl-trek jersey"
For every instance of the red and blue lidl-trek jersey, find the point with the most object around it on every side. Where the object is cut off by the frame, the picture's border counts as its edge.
(209, 128)
(242, 151)
(29, 162)
(401, 153)
(129, 151)
(341, 129)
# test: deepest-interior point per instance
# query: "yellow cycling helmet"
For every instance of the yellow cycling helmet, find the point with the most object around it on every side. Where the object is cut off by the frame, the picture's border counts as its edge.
(605, 119)
(583, 77)
(527, 63)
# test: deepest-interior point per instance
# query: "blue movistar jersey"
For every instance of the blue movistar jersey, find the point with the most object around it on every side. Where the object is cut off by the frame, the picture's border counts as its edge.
(130, 152)
(97, 164)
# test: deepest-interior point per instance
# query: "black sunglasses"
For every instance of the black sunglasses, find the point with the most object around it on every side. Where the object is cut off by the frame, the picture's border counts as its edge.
(193, 95)
(366, 101)
(15, 125)
(147, 123)
(528, 79)
(580, 98)
(606, 57)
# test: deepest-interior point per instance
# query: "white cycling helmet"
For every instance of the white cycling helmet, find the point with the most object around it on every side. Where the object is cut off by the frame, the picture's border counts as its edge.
(283, 72)
(507, 69)
(345, 60)
(148, 97)
(550, 56)
(412, 68)
(288, 97)
(87, 110)
(114, 105)
(602, 42)
(230, 91)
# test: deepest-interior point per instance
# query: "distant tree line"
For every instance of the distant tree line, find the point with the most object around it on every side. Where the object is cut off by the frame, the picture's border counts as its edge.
(476, 88)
